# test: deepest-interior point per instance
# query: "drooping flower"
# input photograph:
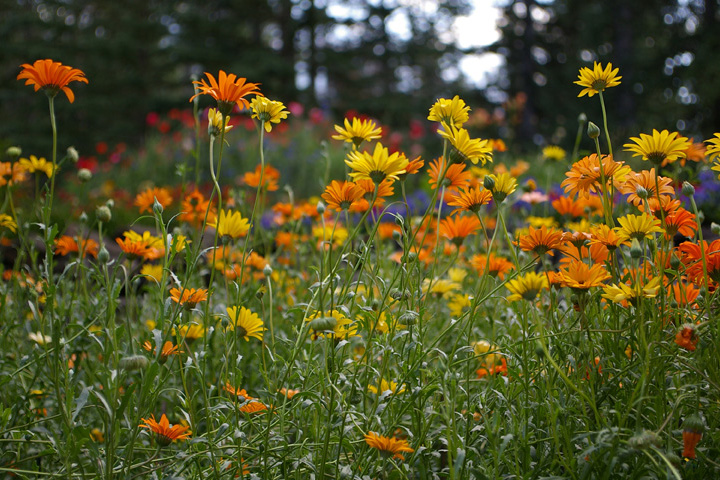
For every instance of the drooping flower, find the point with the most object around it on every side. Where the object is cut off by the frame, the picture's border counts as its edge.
(230, 224)
(249, 404)
(464, 148)
(245, 322)
(165, 434)
(188, 297)
(358, 132)
(389, 446)
(598, 79)
(215, 123)
(168, 349)
(661, 148)
(452, 112)
(228, 90)
(52, 77)
(687, 338)
(146, 199)
(527, 286)
(693, 428)
(268, 111)
(6, 221)
(34, 164)
(376, 166)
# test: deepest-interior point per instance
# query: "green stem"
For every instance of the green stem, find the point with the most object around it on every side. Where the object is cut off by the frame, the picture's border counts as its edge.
(605, 125)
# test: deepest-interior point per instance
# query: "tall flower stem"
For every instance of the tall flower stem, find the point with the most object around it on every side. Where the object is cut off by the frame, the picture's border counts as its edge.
(606, 201)
(605, 125)
(702, 244)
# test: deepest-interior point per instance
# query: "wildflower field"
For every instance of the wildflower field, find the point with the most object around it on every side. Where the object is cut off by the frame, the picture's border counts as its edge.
(259, 293)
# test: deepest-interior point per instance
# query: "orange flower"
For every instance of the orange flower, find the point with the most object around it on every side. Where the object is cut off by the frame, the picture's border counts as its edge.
(456, 175)
(470, 200)
(692, 259)
(695, 152)
(686, 338)
(14, 172)
(693, 427)
(412, 168)
(164, 433)
(66, 245)
(684, 294)
(680, 221)
(189, 297)
(388, 445)
(194, 207)
(606, 236)
(646, 180)
(584, 175)
(458, 227)
(497, 266)
(138, 248)
(52, 77)
(145, 200)
(342, 195)
(541, 241)
(228, 90)
(249, 404)
(580, 276)
(270, 176)
(494, 369)
(571, 208)
(167, 350)
(289, 393)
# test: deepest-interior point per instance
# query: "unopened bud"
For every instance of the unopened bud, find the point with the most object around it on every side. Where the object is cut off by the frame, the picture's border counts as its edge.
(641, 192)
(489, 183)
(84, 175)
(267, 271)
(411, 256)
(110, 203)
(84, 217)
(321, 208)
(635, 249)
(134, 362)
(687, 189)
(103, 213)
(13, 152)
(592, 130)
(72, 154)
(582, 119)
(715, 228)
(674, 261)
(397, 236)
(103, 255)
(157, 207)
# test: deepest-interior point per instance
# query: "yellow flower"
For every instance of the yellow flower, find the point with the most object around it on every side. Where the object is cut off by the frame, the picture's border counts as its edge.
(622, 292)
(336, 235)
(713, 149)
(458, 303)
(553, 152)
(215, 122)
(442, 287)
(386, 386)
(450, 112)
(661, 148)
(7, 221)
(465, 148)
(637, 226)
(247, 323)
(378, 166)
(527, 286)
(268, 111)
(153, 271)
(457, 274)
(190, 332)
(97, 435)
(485, 349)
(331, 324)
(597, 79)
(357, 132)
(502, 185)
(39, 338)
(230, 224)
(35, 164)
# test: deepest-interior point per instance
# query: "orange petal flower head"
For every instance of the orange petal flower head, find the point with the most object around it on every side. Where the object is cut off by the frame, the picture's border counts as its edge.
(228, 90)
(52, 77)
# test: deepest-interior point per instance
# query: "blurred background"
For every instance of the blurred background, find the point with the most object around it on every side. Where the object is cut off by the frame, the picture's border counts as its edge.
(512, 61)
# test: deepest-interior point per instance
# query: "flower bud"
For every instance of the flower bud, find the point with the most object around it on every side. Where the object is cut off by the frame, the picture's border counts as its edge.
(134, 362)
(645, 440)
(322, 324)
(84, 175)
(103, 213)
(397, 236)
(715, 228)
(489, 183)
(641, 192)
(674, 261)
(83, 217)
(687, 189)
(411, 256)
(110, 203)
(157, 208)
(321, 208)
(635, 249)
(13, 152)
(72, 154)
(103, 255)
(592, 130)
(267, 271)
(582, 119)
